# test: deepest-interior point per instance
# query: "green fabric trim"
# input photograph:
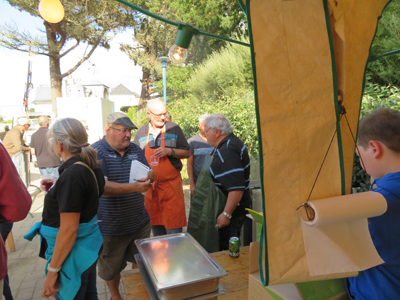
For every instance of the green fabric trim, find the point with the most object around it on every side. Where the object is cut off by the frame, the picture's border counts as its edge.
(372, 58)
(264, 280)
(242, 5)
(335, 98)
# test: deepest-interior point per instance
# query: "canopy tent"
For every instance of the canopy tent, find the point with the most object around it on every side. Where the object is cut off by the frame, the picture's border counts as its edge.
(309, 60)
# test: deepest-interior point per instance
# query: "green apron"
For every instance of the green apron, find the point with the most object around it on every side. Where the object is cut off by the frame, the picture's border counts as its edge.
(208, 202)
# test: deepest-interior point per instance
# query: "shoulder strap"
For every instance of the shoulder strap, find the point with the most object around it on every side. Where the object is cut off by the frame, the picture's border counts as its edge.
(90, 169)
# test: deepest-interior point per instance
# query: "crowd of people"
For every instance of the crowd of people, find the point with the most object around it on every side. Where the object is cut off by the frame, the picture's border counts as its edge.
(93, 213)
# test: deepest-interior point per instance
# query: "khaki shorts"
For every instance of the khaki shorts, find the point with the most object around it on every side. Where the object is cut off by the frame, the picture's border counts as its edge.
(117, 250)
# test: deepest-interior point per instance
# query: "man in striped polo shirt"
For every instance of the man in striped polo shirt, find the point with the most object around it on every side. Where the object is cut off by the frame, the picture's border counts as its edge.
(230, 171)
(122, 215)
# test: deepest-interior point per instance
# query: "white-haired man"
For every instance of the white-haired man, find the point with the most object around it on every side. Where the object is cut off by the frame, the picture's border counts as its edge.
(13, 141)
(198, 149)
(230, 170)
(164, 145)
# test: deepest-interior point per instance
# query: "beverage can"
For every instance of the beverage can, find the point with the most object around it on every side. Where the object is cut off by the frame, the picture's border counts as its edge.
(234, 247)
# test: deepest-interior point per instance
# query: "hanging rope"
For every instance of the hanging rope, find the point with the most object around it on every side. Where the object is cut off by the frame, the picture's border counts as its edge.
(342, 113)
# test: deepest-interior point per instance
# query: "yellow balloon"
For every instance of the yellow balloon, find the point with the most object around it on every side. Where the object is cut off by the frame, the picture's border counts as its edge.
(51, 10)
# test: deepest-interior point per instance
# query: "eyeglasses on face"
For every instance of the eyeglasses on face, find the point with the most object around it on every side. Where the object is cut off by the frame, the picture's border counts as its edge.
(159, 115)
(124, 131)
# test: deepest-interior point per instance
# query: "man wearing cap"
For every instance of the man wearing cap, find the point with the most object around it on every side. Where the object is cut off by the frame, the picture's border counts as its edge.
(48, 162)
(13, 141)
(122, 215)
(164, 145)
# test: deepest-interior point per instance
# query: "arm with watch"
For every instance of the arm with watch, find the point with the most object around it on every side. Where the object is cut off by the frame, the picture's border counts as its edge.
(232, 202)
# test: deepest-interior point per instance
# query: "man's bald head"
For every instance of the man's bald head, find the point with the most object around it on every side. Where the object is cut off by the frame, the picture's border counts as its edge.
(43, 121)
(157, 111)
(156, 105)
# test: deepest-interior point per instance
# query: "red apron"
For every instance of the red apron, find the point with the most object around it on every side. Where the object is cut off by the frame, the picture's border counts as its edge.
(164, 201)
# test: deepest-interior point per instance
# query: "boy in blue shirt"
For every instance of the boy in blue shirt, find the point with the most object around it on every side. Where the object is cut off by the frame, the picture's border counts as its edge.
(379, 151)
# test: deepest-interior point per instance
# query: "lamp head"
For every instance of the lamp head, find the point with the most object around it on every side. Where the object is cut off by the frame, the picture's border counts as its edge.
(178, 52)
(51, 10)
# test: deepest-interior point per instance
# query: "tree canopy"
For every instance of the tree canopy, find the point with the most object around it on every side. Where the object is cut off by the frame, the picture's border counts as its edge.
(91, 23)
(154, 38)
(386, 70)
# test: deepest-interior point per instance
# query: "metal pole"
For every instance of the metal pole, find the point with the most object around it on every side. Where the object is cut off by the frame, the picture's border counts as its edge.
(164, 65)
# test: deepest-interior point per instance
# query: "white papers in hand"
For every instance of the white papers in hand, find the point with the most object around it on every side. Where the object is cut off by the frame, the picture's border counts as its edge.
(138, 171)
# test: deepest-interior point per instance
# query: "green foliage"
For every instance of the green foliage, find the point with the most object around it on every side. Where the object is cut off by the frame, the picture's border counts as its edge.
(361, 180)
(376, 96)
(139, 118)
(224, 73)
(177, 82)
(385, 70)
(154, 38)
(239, 110)
(126, 108)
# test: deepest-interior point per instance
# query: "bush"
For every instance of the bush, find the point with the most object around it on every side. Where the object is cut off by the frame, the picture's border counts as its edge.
(125, 109)
(239, 110)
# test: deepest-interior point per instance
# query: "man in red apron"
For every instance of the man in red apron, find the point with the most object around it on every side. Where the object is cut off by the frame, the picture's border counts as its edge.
(164, 145)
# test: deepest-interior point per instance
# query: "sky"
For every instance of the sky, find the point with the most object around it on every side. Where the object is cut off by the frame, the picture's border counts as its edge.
(112, 67)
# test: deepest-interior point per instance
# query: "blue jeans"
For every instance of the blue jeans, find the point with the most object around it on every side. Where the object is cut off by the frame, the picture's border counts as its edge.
(88, 290)
(50, 170)
(5, 229)
(161, 230)
(232, 230)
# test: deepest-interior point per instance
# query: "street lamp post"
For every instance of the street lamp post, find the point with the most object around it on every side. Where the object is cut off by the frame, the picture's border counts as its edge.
(164, 60)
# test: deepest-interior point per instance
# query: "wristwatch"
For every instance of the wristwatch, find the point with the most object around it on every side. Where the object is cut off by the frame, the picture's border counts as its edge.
(227, 215)
(53, 269)
(172, 152)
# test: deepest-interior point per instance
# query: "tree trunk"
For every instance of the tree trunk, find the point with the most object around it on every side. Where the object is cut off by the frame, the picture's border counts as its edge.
(145, 93)
(56, 83)
(54, 61)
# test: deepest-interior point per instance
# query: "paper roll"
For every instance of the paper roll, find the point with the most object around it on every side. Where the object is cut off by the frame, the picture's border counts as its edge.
(347, 208)
(338, 239)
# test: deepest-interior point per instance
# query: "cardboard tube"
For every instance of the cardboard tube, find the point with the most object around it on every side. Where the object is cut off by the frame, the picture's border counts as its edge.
(347, 208)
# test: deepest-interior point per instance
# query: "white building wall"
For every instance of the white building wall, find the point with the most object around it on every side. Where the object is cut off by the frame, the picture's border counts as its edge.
(93, 110)
(123, 100)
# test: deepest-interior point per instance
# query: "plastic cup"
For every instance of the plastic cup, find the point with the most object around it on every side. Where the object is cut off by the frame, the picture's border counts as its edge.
(47, 181)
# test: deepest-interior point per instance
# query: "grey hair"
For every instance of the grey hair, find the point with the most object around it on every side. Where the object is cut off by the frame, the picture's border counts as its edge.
(217, 121)
(72, 135)
(152, 104)
(43, 120)
(202, 118)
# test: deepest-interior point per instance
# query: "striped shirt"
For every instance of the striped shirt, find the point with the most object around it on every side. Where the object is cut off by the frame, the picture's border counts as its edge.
(122, 214)
(230, 170)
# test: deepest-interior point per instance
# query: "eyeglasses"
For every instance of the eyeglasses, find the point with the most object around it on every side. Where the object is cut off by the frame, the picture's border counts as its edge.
(159, 115)
(124, 131)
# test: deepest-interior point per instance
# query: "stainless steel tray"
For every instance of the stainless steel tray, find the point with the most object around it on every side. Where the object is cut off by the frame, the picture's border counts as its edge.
(177, 260)
(154, 295)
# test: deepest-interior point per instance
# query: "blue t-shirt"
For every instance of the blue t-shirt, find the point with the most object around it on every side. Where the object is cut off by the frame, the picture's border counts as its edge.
(198, 148)
(383, 281)
(122, 214)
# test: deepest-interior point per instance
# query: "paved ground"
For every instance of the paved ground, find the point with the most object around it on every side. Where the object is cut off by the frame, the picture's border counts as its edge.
(25, 267)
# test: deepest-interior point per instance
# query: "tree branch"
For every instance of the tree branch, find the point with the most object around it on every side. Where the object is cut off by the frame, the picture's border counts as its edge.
(70, 71)
(70, 49)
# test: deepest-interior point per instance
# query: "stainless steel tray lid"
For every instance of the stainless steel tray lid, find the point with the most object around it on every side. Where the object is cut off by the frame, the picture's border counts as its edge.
(176, 260)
